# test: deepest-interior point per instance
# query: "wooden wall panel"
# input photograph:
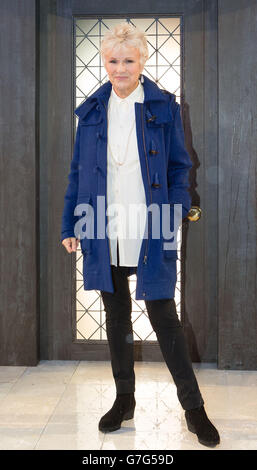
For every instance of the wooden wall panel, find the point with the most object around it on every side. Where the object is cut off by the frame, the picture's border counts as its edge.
(18, 181)
(237, 202)
(56, 148)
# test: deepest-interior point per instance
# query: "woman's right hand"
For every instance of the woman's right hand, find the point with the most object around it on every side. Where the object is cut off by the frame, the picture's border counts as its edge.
(71, 244)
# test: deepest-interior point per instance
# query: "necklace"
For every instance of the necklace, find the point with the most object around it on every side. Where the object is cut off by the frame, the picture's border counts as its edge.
(125, 153)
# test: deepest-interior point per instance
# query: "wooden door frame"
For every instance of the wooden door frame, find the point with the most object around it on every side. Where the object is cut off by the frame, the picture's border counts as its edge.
(199, 248)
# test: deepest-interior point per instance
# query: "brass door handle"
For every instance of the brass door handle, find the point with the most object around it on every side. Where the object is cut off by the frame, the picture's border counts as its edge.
(194, 213)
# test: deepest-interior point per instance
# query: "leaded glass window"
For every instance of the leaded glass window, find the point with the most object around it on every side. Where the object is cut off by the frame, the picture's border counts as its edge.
(164, 67)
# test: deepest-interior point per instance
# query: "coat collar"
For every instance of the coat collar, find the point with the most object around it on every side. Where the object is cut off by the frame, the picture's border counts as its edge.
(155, 99)
(136, 95)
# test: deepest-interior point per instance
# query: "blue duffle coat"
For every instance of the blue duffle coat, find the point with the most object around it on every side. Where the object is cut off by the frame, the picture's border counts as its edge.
(165, 165)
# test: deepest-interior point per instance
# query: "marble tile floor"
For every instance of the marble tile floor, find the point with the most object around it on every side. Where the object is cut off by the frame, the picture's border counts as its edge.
(57, 405)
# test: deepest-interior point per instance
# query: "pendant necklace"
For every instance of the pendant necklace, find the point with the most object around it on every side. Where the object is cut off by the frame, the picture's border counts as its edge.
(119, 163)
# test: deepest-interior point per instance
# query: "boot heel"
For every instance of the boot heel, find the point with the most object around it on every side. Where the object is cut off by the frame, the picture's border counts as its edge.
(129, 414)
(190, 427)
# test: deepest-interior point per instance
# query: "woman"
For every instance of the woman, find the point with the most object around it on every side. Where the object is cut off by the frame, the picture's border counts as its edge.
(130, 150)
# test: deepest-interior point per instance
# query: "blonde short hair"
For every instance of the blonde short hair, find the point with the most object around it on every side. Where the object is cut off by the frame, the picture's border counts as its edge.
(125, 34)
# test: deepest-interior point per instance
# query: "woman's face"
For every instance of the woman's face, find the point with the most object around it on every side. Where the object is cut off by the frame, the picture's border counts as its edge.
(123, 69)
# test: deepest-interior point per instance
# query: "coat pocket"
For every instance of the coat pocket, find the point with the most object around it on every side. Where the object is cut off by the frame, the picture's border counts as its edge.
(169, 253)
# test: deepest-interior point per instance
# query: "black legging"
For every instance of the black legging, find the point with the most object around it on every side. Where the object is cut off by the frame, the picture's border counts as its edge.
(168, 329)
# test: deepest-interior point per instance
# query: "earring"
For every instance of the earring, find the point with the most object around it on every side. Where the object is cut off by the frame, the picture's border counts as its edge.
(141, 78)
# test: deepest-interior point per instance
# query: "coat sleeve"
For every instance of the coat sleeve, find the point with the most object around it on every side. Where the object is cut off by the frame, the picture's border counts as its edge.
(70, 198)
(179, 165)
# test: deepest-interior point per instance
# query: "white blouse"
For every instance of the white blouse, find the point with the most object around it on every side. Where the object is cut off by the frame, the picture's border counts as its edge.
(126, 221)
